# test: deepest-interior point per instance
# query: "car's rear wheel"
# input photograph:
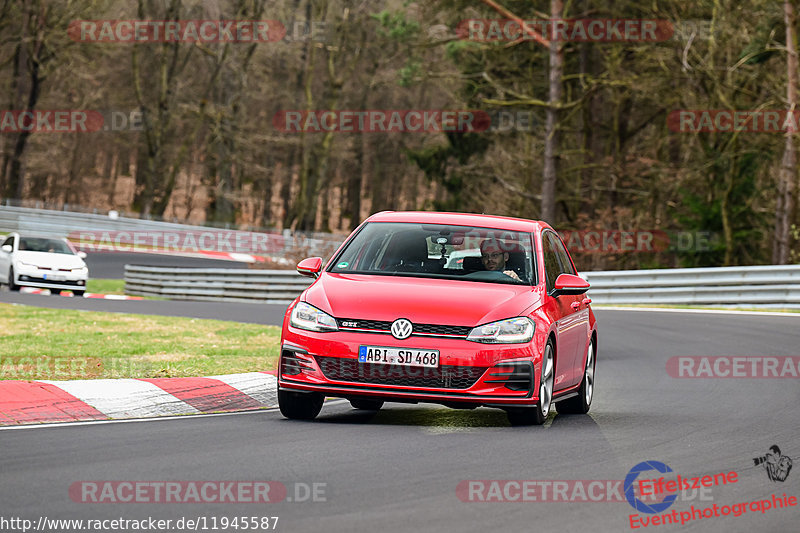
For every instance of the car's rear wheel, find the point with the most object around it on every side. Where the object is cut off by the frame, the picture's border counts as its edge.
(78, 293)
(580, 404)
(527, 416)
(12, 286)
(365, 404)
(300, 405)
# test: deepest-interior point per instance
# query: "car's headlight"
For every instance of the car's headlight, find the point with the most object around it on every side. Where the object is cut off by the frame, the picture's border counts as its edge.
(510, 331)
(308, 317)
(81, 269)
(23, 263)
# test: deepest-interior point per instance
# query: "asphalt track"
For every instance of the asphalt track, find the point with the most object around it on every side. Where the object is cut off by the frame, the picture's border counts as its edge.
(233, 311)
(398, 470)
(111, 265)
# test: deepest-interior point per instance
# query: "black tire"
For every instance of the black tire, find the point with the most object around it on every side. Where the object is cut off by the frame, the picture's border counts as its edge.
(580, 404)
(11, 285)
(536, 415)
(300, 405)
(78, 293)
(366, 404)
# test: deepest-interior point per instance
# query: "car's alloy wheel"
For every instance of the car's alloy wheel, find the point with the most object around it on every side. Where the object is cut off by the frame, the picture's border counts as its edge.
(581, 403)
(526, 416)
(12, 286)
(365, 404)
(300, 405)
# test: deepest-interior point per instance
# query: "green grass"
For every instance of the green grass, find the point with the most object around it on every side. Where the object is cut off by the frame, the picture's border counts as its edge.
(105, 286)
(66, 344)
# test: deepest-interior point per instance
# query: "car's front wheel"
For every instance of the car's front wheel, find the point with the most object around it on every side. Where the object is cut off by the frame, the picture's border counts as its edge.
(300, 405)
(526, 416)
(78, 293)
(365, 404)
(12, 286)
(580, 404)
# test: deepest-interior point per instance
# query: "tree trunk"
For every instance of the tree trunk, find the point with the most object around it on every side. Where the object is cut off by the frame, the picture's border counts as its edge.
(550, 173)
(785, 201)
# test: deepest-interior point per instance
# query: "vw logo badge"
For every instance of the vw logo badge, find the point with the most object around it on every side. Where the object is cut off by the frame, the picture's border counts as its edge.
(401, 328)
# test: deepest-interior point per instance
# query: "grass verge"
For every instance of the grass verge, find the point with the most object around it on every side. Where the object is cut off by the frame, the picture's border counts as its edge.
(63, 344)
(105, 286)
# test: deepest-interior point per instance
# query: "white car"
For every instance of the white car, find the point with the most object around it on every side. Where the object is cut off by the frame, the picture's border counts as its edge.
(44, 262)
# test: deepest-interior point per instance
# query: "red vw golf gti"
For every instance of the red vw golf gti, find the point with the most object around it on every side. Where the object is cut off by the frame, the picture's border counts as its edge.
(457, 309)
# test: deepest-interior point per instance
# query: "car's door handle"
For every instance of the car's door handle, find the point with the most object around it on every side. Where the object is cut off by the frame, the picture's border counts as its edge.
(586, 301)
(575, 305)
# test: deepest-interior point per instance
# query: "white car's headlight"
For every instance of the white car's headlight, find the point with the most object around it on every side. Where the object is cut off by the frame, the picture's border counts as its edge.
(23, 263)
(308, 317)
(81, 270)
(510, 331)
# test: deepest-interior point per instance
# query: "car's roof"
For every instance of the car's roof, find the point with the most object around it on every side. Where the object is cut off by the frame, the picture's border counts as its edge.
(459, 219)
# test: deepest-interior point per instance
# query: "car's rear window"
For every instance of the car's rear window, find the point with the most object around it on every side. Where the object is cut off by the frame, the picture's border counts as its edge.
(53, 246)
(439, 251)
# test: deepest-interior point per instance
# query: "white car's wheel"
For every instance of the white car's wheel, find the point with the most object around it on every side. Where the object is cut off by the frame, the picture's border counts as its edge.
(11, 283)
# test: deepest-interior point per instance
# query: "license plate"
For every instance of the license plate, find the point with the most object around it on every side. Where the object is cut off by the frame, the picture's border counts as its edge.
(55, 277)
(398, 356)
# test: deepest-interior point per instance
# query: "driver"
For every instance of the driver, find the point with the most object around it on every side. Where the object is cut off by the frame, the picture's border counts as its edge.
(494, 258)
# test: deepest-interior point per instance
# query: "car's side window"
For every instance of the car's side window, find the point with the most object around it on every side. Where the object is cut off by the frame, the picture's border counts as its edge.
(563, 257)
(9, 241)
(551, 266)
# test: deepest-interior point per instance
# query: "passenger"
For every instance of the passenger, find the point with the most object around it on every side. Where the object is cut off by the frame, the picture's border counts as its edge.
(494, 258)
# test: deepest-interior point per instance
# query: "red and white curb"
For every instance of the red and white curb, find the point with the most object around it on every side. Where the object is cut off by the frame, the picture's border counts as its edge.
(34, 402)
(200, 254)
(34, 290)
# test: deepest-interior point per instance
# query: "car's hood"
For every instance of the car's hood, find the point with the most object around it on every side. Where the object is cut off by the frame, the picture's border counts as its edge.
(45, 259)
(421, 300)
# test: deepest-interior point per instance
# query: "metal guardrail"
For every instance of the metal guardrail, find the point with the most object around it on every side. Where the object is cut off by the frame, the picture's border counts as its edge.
(752, 286)
(215, 284)
(66, 223)
(758, 286)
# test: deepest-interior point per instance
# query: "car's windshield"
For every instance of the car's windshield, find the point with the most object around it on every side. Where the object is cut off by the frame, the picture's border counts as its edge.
(53, 246)
(439, 251)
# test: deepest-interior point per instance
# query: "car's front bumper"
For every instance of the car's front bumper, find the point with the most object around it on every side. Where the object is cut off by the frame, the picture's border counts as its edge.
(47, 279)
(469, 374)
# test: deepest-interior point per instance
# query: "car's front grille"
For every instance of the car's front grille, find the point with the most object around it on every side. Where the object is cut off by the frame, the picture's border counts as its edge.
(380, 326)
(444, 377)
(54, 282)
(437, 329)
(352, 323)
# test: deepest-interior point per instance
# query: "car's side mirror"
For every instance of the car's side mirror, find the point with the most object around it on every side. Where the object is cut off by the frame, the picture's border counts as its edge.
(569, 284)
(6, 248)
(310, 266)
(82, 255)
